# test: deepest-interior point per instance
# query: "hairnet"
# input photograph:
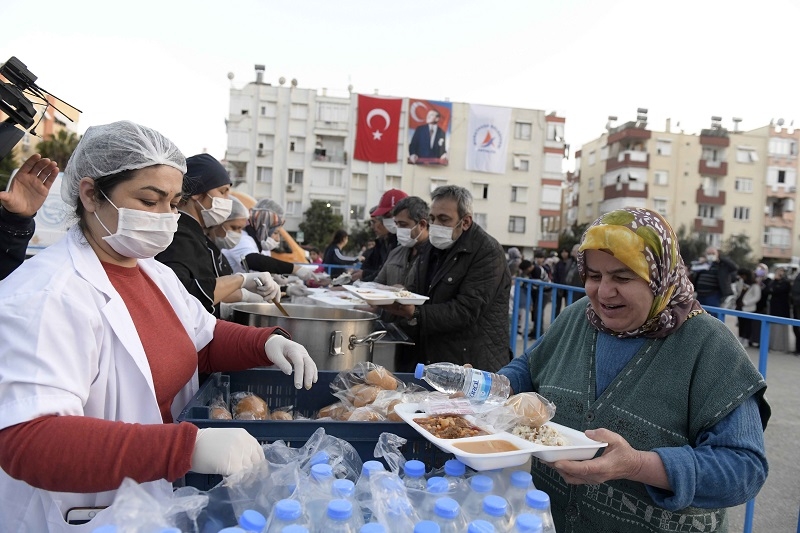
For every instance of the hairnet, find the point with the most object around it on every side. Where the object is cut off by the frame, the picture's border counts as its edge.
(266, 217)
(112, 148)
(238, 210)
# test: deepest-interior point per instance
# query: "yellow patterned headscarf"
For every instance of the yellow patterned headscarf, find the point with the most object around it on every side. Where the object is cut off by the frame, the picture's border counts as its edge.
(643, 241)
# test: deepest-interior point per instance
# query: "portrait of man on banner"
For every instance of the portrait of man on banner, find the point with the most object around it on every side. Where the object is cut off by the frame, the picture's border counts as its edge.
(429, 128)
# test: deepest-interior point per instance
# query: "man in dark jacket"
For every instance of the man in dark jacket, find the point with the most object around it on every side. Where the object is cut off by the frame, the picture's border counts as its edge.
(713, 285)
(465, 275)
(385, 232)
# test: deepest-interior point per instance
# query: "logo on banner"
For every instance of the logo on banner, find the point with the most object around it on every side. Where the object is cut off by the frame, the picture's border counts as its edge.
(491, 140)
(377, 134)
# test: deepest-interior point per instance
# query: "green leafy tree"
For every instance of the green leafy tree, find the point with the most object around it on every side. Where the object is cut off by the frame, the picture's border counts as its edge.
(737, 248)
(571, 236)
(59, 147)
(359, 234)
(692, 246)
(7, 165)
(319, 224)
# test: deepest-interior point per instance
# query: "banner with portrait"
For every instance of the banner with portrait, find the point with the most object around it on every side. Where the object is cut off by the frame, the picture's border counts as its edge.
(428, 131)
(487, 138)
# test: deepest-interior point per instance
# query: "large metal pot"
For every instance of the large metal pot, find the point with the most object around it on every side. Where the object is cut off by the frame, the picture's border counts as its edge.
(336, 339)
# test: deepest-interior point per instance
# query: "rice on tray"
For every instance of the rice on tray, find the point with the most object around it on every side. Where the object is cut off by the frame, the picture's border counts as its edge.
(544, 435)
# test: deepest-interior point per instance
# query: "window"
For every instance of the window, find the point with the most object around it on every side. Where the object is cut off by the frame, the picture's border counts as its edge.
(660, 206)
(480, 219)
(480, 190)
(437, 182)
(555, 131)
(299, 111)
(710, 154)
(706, 211)
(603, 153)
(744, 184)
(265, 174)
(335, 206)
(741, 213)
(519, 194)
(295, 176)
(590, 184)
(516, 224)
(591, 157)
(660, 177)
(553, 163)
(521, 164)
(329, 112)
(778, 237)
(781, 176)
(782, 147)
(294, 208)
(589, 211)
(746, 155)
(664, 147)
(268, 109)
(358, 181)
(334, 177)
(522, 130)
(357, 212)
(393, 182)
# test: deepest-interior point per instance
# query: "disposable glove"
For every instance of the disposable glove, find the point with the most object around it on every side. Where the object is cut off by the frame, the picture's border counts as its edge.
(280, 280)
(297, 289)
(287, 356)
(251, 297)
(225, 451)
(261, 283)
(306, 273)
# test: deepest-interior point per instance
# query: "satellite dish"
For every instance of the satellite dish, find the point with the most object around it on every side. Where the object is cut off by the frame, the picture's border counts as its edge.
(282, 80)
(350, 88)
(230, 75)
(294, 82)
(780, 122)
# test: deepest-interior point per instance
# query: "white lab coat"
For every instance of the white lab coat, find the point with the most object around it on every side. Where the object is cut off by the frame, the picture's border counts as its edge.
(69, 347)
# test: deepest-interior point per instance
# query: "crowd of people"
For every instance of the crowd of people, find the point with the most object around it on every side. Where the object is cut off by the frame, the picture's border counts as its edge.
(107, 331)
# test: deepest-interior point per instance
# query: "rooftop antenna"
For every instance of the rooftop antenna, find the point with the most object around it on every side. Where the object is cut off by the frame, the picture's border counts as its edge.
(736, 121)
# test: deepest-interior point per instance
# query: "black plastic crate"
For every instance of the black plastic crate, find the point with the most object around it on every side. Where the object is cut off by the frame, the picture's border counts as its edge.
(277, 389)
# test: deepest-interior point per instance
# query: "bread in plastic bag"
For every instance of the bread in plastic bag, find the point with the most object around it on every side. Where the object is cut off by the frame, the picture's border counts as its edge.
(248, 406)
(531, 408)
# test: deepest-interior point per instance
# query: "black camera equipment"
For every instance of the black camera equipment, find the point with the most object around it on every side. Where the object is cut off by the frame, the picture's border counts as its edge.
(15, 104)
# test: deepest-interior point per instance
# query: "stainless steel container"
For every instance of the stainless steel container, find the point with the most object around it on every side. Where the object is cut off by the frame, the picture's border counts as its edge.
(336, 339)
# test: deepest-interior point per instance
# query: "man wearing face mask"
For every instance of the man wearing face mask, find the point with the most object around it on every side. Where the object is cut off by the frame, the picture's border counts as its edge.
(193, 255)
(464, 273)
(713, 285)
(410, 215)
(385, 230)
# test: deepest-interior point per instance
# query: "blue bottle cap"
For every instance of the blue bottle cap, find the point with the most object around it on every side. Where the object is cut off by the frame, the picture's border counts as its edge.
(414, 468)
(340, 510)
(108, 528)
(371, 466)
(295, 528)
(521, 479)
(252, 520)
(233, 529)
(480, 526)
(528, 523)
(419, 370)
(372, 527)
(495, 505)
(287, 510)
(343, 488)
(437, 485)
(319, 458)
(455, 468)
(446, 508)
(169, 530)
(425, 526)
(322, 471)
(481, 483)
(537, 499)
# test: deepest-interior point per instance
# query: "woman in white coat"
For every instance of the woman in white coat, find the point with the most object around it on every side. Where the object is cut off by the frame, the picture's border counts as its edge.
(102, 344)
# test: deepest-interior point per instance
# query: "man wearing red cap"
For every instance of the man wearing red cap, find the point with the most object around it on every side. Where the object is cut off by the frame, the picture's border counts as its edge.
(385, 231)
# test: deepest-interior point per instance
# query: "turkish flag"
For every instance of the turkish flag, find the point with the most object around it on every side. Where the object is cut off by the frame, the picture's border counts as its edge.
(377, 129)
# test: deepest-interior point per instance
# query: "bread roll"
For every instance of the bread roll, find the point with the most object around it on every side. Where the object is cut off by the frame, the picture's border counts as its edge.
(251, 407)
(366, 396)
(365, 414)
(530, 408)
(390, 414)
(335, 411)
(380, 377)
(281, 415)
(220, 413)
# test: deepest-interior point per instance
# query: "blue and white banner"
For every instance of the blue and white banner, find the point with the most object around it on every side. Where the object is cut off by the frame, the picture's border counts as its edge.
(487, 138)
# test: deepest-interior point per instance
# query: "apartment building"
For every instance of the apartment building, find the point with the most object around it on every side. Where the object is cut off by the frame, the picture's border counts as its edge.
(295, 145)
(717, 184)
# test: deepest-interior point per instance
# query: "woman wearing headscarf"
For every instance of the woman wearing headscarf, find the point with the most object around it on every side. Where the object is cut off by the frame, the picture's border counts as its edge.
(102, 345)
(638, 364)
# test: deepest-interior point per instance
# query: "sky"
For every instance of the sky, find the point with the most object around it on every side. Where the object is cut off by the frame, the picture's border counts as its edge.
(165, 64)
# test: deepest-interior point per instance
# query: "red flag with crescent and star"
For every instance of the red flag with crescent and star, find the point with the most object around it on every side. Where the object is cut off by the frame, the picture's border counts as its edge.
(377, 129)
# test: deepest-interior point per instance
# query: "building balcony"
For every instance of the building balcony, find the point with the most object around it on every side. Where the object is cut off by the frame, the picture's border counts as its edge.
(628, 158)
(331, 161)
(625, 190)
(630, 131)
(710, 197)
(776, 252)
(785, 221)
(548, 240)
(713, 168)
(715, 137)
(780, 191)
(709, 225)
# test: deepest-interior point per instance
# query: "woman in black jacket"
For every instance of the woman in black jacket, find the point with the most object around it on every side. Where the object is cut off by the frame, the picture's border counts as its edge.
(334, 256)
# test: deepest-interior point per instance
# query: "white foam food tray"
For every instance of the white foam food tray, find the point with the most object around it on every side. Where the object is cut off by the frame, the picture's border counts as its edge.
(375, 296)
(341, 299)
(580, 446)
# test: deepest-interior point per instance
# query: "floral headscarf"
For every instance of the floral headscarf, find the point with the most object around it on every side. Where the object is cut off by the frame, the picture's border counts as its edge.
(645, 243)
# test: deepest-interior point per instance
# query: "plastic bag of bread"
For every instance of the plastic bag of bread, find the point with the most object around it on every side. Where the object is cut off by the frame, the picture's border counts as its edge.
(349, 383)
(248, 406)
(282, 413)
(385, 402)
(219, 409)
(531, 409)
(337, 411)
(366, 414)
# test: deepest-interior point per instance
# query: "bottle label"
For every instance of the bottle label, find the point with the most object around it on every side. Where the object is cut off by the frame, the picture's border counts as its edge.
(479, 386)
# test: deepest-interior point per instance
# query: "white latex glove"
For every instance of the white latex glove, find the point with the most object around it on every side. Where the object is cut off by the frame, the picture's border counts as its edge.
(251, 297)
(225, 451)
(262, 284)
(297, 289)
(290, 356)
(280, 280)
(306, 273)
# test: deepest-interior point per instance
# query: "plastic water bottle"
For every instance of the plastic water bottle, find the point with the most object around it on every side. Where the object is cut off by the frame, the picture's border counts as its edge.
(339, 518)
(495, 511)
(286, 513)
(363, 491)
(454, 472)
(427, 526)
(252, 521)
(447, 513)
(477, 385)
(500, 480)
(480, 526)
(414, 480)
(321, 457)
(480, 486)
(436, 487)
(520, 482)
(372, 527)
(294, 528)
(537, 503)
(318, 492)
(528, 523)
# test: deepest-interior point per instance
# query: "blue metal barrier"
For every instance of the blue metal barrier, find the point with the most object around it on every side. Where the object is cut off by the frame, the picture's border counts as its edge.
(526, 286)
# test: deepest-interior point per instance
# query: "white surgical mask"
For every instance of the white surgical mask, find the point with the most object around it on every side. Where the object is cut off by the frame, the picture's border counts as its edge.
(711, 257)
(269, 244)
(389, 224)
(218, 213)
(230, 240)
(140, 234)
(441, 237)
(405, 239)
